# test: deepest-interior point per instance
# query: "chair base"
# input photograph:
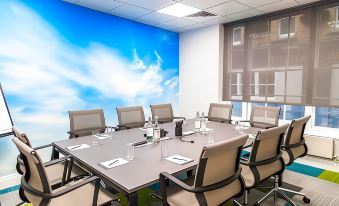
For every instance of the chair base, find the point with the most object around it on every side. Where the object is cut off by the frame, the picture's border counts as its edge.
(279, 190)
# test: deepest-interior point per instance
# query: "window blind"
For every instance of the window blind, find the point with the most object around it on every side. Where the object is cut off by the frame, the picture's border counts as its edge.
(287, 59)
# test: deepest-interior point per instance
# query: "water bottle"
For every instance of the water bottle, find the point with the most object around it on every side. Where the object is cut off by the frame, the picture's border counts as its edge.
(197, 123)
(150, 130)
(156, 137)
(203, 124)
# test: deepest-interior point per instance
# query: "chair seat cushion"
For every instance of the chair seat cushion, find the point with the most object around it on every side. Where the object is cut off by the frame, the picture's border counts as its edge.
(81, 196)
(297, 152)
(55, 172)
(177, 196)
(248, 176)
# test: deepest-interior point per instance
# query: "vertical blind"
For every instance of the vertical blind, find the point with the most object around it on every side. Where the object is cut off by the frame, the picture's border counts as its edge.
(288, 59)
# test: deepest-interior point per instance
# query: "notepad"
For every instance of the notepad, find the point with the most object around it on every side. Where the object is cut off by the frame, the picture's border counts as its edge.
(178, 159)
(78, 147)
(102, 136)
(252, 136)
(208, 129)
(113, 163)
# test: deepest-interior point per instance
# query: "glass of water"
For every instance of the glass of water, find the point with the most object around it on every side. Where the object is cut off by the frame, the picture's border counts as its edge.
(130, 151)
(95, 140)
(164, 148)
(211, 137)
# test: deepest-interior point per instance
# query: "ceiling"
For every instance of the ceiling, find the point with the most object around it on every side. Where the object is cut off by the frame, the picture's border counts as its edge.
(144, 11)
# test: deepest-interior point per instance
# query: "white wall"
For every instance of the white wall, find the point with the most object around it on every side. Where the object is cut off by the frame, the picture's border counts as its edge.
(200, 69)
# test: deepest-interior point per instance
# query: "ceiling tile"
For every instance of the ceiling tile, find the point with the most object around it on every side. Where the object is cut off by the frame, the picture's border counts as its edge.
(193, 26)
(245, 14)
(155, 18)
(178, 22)
(257, 3)
(203, 4)
(228, 8)
(201, 18)
(278, 6)
(152, 4)
(100, 5)
(219, 20)
(129, 11)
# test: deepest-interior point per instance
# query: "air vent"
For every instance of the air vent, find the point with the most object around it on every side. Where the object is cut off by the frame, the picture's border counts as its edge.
(201, 14)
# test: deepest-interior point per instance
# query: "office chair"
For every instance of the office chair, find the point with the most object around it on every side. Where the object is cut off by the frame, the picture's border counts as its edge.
(164, 112)
(294, 147)
(59, 171)
(83, 122)
(216, 180)
(220, 113)
(263, 117)
(265, 161)
(130, 117)
(37, 187)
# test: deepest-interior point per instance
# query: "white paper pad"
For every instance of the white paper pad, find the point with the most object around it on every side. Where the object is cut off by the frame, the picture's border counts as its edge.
(179, 159)
(208, 129)
(252, 136)
(113, 163)
(187, 133)
(102, 136)
(165, 138)
(78, 147)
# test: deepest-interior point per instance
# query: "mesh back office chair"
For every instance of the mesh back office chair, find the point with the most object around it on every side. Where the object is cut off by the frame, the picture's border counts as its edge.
(263, 117)
(220, 113)
(265, 160)
(294, 147)
(216, 180)
(164, 112)
(83, 122)
(59, 171)
(38, 190)
(130, 117)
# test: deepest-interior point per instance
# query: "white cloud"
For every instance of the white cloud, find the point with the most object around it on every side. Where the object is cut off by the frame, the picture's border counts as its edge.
(39, 67)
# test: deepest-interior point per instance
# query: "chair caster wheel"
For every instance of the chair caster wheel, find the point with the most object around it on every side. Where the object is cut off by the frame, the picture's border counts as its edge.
(306, 200)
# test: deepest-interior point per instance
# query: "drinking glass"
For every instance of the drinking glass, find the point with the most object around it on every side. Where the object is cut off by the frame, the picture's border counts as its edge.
(241, 128)
(211, 136)
(95, 140)
(164, 148)
(130, 151)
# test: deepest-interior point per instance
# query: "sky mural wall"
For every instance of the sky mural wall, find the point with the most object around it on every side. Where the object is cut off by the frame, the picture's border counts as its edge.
(56, 57)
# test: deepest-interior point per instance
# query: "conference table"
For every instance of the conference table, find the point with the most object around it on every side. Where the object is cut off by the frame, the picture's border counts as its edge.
(148, 163)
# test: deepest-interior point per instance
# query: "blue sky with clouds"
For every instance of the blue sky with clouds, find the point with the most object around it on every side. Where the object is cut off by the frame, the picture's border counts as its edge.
(55, 57)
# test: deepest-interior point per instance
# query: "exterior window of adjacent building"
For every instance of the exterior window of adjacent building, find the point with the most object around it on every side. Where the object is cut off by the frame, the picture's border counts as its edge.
(237, 36)
(237, 109)
(285, 27)
(327, 117)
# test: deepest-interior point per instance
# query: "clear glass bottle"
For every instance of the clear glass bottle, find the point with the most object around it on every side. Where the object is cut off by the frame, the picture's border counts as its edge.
(203, 124)
(150, 130)
(156, 131)
(197, 123)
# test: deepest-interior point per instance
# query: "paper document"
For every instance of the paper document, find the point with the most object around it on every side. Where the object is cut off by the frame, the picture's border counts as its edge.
(187, 133)
(102, 136)
(178, 159)
(78, 147)
(113, 163)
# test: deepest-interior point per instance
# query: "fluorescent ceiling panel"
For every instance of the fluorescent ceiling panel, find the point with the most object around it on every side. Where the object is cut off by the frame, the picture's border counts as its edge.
(178, 10)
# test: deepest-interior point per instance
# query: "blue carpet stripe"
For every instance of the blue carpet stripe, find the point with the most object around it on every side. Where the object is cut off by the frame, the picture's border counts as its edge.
(9, 189)
(305, 169)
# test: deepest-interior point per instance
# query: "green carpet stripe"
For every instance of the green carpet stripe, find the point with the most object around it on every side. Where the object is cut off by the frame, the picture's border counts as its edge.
(329, 176)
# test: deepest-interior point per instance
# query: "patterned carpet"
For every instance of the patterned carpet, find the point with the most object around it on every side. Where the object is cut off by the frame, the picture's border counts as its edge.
(321, 186)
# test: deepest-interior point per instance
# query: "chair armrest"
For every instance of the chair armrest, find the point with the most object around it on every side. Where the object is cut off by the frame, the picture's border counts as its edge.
(62, 159)
(236, 122)
(43, 146)
(184, 118)
(38, 193)
(293, 145)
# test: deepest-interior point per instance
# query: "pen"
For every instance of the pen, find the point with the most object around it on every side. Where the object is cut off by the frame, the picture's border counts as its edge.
(113, 162)
(179, 159)
(76, 146)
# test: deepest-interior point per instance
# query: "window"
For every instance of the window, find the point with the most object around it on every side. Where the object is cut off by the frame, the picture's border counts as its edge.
(237, 109)
(294, 112)
(285, 27)
(337, 18)
(237, 36)
(327, 117)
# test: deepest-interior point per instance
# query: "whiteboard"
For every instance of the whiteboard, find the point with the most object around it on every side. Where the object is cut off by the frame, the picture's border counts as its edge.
(5, 117)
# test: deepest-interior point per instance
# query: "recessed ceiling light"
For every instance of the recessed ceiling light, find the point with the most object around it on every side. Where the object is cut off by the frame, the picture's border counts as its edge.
(179, 10)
